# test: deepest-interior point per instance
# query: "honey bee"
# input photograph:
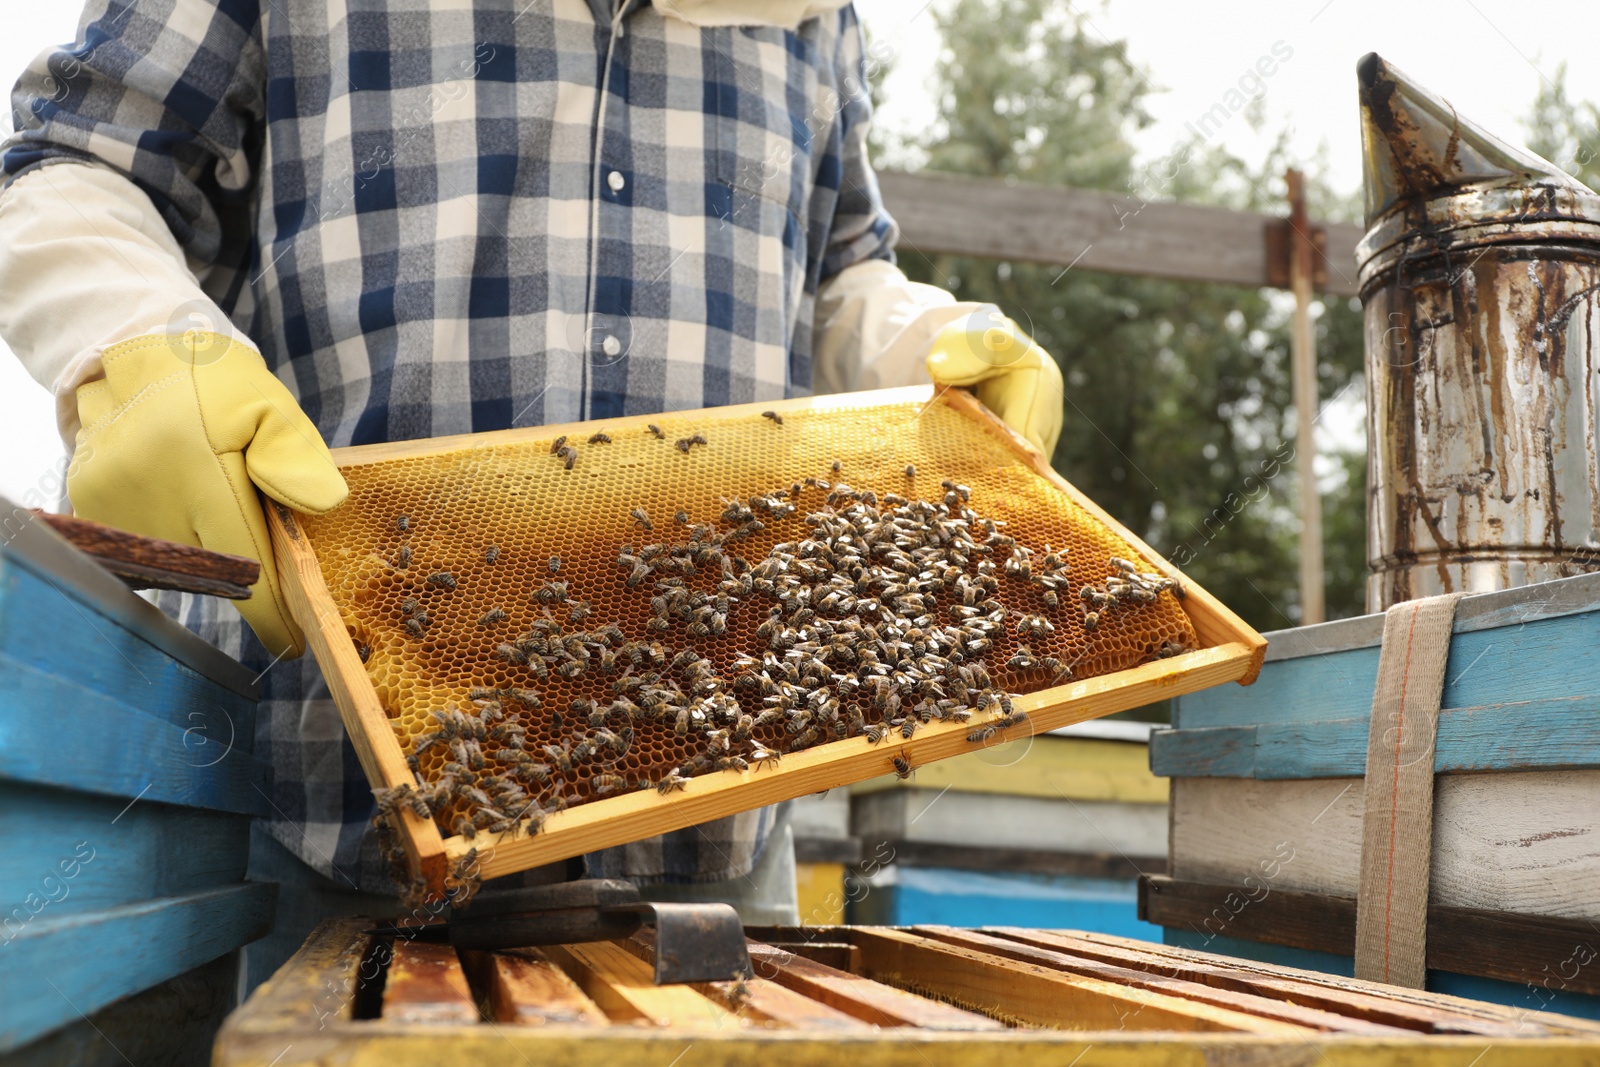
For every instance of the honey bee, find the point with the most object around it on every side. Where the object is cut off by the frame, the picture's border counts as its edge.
(443, 579)
(681, 518)
(491, 553)
(600, 439)
(732, 763)
(982, 733)
(409, 605)
(672, 782)
(908, 728)
(569, 456)
(364, 651)
(608, 783)
(402, 523)
(1091, 621)
(463, 827)
(739, 990)
(1016, 718)
(902, 766)
(417, 624)
(554, 564)
(697, 439)
(528, 698)
(580, 610)
(837, 466)
(911, 470)
(402, 558)
(492, 617)
(557, 445)
(764, 756)
(1051, 600)
(682, 445)
(551, 593)
(641, 518)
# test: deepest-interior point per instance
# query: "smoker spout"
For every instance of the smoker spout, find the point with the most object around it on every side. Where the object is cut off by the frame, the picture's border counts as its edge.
(1415, 145)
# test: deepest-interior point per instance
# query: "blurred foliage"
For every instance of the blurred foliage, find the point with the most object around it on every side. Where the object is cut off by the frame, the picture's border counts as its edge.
(1564, 132)
(1178, 412)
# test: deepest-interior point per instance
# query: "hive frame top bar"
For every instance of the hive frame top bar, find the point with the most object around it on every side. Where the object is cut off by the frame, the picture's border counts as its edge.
(1229, 651)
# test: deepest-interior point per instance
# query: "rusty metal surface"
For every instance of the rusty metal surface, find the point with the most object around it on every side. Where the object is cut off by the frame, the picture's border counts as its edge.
(1480, 284)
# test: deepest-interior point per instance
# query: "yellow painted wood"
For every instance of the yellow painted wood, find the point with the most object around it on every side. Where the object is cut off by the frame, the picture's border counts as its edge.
(1055, 767)
(1038, 996)
(820, 893)
(1231, 651)
(623, 985)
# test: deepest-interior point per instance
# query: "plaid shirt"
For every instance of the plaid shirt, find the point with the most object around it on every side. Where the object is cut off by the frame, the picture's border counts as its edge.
(448, 216)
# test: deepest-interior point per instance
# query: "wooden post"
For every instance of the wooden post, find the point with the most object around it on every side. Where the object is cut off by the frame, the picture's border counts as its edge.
(1303, 352)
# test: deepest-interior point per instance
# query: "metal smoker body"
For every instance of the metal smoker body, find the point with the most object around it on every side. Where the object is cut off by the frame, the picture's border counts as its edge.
(1480, 286)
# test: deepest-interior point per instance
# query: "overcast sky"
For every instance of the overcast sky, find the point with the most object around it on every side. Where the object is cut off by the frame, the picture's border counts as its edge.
(1487, 57)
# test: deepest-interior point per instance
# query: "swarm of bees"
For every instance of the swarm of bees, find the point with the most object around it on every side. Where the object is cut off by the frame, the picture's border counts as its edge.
(879, 615)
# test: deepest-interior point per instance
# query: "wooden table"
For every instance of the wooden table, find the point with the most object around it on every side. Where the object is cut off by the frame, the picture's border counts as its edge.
(865, 996)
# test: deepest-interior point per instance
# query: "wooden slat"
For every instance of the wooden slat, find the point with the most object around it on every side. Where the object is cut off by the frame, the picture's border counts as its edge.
(78, 587)
(427, 985)
(1544, 660)
(1235, 1000)
(54, 732)
(1123, 234)
(525, 987)
(1040, 996)
(1553, 732)
(757, 998)
(1511, 1019)
(623, 985)
(365, 721)
(1514, 948)
(57, 634)
(835, 954)
(67, 850)
(153, 563)
(1525, 842)
(869, 1001)
(55, 970)
(1223, 973)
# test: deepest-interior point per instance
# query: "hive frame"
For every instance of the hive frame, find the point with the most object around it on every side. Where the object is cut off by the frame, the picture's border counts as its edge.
(1231, 651)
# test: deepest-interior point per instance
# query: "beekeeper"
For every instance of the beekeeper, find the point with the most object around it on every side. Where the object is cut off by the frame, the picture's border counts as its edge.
(234, 232)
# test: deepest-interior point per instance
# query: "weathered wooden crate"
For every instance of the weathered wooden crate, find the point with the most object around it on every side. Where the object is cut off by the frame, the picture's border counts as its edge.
(926, 996)
(1267, 801)
(126, 791)
(505, 489)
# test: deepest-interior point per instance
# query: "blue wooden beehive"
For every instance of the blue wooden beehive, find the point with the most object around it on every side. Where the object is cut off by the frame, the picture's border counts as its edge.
(1267, 801)
(126, 791)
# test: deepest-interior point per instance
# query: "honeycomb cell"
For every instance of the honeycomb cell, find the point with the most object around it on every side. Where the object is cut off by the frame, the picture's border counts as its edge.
(450, 568)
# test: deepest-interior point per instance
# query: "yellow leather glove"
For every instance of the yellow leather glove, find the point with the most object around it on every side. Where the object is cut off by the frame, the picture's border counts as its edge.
(175, 440)
(1012, 376)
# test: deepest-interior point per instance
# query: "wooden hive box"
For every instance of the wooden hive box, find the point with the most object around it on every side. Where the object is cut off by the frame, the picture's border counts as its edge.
(1047, 831)
(478, 505)
(921, 996)
(126, 792)
(1267, 793)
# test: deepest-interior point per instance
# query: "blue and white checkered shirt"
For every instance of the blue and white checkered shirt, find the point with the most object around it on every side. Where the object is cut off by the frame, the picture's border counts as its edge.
(449, 216)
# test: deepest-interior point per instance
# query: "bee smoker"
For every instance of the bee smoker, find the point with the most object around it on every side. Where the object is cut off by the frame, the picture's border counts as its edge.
(1480, 288)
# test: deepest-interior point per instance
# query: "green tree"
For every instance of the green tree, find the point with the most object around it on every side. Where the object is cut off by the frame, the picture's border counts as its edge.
(1177, 410)
(1565, 132)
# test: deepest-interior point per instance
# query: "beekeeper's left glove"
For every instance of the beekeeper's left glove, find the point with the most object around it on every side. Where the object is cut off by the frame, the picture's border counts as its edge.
(1013, 376)
(175, 440)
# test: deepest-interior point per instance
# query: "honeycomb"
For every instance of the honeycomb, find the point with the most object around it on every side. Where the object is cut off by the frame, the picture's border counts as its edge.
(466, 538)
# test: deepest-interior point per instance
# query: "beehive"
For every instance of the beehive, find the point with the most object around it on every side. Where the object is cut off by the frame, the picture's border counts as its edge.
(464, 531)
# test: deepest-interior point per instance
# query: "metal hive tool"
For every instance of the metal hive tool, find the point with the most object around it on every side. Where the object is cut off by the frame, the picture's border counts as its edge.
(420, 591)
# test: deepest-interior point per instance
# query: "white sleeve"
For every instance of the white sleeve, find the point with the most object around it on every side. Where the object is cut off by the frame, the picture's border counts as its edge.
(86, 262)
(874, 327)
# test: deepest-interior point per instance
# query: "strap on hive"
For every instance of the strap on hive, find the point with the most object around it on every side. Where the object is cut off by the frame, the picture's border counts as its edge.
(1397, 822)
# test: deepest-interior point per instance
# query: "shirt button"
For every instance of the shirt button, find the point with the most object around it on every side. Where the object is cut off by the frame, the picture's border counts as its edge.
(616, 181)
(611, 346)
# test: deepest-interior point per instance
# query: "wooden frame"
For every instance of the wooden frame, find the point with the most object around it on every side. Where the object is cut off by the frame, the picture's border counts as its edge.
(923, 996)
(1231, 651)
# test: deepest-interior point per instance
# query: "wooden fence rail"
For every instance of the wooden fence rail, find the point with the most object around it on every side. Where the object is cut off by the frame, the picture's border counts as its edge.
(1089, 230)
